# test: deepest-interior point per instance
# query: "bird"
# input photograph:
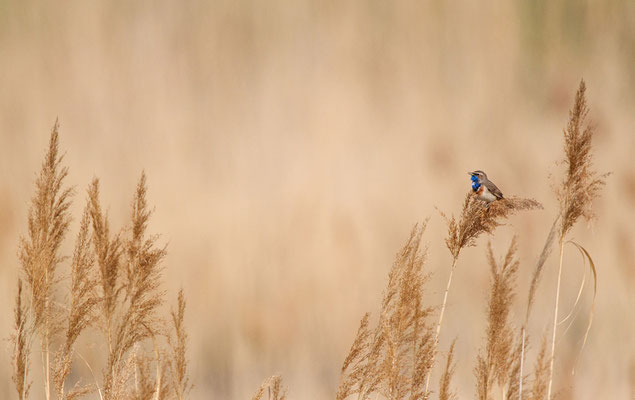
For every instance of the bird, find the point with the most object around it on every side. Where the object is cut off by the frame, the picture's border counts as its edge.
(484, 188)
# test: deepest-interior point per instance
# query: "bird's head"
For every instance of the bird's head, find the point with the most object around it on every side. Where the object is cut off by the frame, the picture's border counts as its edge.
(478, 176)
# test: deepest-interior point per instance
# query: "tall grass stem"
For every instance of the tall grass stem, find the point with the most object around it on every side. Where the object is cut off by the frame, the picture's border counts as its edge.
(555, 322)
(445, 300)
(522, 362)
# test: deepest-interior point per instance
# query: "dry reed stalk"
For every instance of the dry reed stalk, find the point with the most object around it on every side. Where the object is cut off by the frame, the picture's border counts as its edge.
(445, 391)
(161, 382)
(81, 312)
(515, 390)
(475, 219)
(21, 346)
(580, 187)
(393, 358)
(542, 259)
(496, 365)
(273, 385)
(535, 280)
(48, 221)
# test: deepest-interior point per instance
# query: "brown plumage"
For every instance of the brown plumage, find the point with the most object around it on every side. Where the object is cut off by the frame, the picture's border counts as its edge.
(487, 191)
(493, 189)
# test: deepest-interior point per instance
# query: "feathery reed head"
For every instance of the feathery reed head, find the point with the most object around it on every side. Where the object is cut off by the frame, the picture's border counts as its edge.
(541, 374)
(48, 222)
(395, 356)
(81, 313)
(108, 254)
(356, 355)
(495, 364)
(178, 365)
(83, 282)
(275, 388)
(476, 219)
(445, 391)
(144, 387)
(581, 184)
(120, 277)
(142, 296)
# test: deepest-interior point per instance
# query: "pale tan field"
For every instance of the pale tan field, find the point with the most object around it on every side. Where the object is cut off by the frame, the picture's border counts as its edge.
(291, 146)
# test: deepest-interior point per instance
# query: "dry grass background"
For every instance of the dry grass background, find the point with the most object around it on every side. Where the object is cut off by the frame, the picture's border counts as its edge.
(291, 147)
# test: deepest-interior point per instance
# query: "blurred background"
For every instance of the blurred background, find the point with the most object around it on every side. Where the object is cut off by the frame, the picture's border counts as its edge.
(291, 146)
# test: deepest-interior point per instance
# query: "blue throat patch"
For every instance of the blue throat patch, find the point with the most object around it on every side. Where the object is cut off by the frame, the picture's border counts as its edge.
(475, 184)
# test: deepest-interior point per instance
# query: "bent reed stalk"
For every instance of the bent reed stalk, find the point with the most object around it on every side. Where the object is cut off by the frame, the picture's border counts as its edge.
(555, 320)
(577, 192)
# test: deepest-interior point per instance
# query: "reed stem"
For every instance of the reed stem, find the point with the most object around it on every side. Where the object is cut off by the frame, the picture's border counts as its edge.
(522, 361)
(555, 322)
(438, 331)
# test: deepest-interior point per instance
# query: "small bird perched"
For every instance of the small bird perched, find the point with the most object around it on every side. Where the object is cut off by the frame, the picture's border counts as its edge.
(484, 188)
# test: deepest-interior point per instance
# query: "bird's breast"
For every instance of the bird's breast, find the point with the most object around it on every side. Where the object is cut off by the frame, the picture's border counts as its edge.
(484, 194)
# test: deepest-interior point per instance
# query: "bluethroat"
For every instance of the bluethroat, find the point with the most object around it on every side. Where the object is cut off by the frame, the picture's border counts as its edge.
(484, 188)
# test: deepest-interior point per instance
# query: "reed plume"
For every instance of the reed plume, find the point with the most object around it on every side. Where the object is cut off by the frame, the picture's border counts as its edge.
(576, 193)
(108, 256)
(141, 293)
(541, 374)
(180, 382)
(114, 284)
(445, 390)
(273, 386)
(48, 220)
(81, 313)
(581, 184)
(355, 369)
(393, 358)
(475, 219)
(144, 387)
(494, 365)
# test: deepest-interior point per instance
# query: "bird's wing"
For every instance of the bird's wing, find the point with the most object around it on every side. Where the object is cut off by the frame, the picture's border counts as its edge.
(493, 189)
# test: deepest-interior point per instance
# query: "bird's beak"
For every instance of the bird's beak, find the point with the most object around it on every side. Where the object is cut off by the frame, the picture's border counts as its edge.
(470, 173)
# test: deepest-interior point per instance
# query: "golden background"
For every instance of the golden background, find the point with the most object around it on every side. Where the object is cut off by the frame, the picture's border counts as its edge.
(291, 146)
